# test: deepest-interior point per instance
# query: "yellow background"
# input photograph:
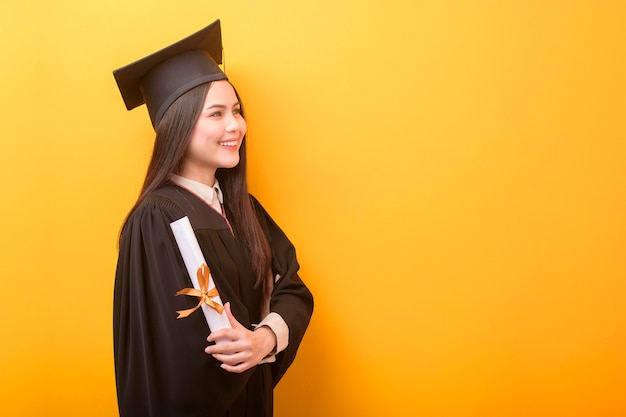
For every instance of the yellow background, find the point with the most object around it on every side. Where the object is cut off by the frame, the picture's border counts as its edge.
(452, 173)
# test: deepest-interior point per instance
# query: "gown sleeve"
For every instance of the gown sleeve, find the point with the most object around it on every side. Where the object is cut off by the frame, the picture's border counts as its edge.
(291, 298)
(160, 364)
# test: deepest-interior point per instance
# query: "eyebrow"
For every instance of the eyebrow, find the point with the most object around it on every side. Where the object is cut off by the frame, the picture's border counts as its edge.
(221, 106)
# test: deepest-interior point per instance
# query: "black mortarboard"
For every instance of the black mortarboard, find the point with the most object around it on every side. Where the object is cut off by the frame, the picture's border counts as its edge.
(160, 78)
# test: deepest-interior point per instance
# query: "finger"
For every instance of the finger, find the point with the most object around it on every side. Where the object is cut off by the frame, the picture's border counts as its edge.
(222, 334)
(228, 347)
(231, 360)
(237, 369)
(227, 334)
(231, 319)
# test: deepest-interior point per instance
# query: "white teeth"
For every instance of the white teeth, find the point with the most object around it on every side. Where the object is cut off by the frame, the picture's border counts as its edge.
(231, 143)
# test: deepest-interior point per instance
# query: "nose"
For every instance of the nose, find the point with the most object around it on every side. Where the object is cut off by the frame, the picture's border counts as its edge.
(231, 123)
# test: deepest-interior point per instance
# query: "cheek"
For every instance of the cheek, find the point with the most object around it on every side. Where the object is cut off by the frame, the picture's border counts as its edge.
(204, 130)
(243, 127)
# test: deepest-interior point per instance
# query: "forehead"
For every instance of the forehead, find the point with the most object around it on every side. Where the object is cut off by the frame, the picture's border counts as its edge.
(221, 92)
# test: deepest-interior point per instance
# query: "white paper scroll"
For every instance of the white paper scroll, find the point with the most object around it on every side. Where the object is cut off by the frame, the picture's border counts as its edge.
(193, 258)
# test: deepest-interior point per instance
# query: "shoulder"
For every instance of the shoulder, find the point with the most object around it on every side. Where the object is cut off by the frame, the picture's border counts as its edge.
(258, 207)
(159, 207)
(259, 210)
(271, 228)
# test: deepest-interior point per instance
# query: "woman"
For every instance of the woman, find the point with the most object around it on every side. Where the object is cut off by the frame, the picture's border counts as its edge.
(171, 367)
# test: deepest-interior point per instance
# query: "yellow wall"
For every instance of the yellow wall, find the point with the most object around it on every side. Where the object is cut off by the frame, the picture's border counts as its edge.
(452, 172)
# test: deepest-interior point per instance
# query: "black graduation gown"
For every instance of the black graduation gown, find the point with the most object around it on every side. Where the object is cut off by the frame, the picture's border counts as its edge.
(160, 365)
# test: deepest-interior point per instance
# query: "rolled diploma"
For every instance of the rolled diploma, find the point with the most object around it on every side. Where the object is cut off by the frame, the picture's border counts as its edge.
(193, 258)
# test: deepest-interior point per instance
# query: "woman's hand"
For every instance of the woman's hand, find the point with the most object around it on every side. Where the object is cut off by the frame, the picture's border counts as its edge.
(243, 348)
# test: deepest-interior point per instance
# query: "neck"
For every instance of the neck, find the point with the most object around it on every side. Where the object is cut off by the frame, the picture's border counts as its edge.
(205, 177)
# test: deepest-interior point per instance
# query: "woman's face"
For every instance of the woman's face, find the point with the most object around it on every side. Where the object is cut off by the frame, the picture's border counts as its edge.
(217, 137)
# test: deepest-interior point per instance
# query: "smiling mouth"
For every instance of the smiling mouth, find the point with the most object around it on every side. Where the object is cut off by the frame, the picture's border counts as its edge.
(229, 143)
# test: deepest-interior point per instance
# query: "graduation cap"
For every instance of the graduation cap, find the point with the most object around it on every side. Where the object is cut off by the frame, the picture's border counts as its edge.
(160, 78)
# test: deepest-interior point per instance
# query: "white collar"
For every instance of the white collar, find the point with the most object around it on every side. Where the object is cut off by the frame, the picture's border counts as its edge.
(205, 192)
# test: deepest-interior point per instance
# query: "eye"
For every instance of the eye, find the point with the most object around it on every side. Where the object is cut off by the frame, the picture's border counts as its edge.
(237, 111)
(215, 114)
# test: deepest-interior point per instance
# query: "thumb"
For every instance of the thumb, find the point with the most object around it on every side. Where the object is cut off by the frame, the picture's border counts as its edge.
(231, 319)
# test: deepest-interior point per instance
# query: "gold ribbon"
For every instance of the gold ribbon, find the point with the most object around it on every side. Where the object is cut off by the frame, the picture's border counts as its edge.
(203, 294)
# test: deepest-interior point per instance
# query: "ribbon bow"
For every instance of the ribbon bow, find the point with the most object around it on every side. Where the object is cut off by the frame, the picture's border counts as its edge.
(204, 294)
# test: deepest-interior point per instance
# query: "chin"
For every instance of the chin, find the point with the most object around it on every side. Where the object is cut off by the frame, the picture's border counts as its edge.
(231, 164)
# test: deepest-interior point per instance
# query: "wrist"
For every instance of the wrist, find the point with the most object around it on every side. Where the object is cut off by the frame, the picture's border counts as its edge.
(268, 339)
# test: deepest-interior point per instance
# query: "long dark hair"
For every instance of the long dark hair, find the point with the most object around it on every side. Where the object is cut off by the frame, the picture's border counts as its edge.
(173, 134)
